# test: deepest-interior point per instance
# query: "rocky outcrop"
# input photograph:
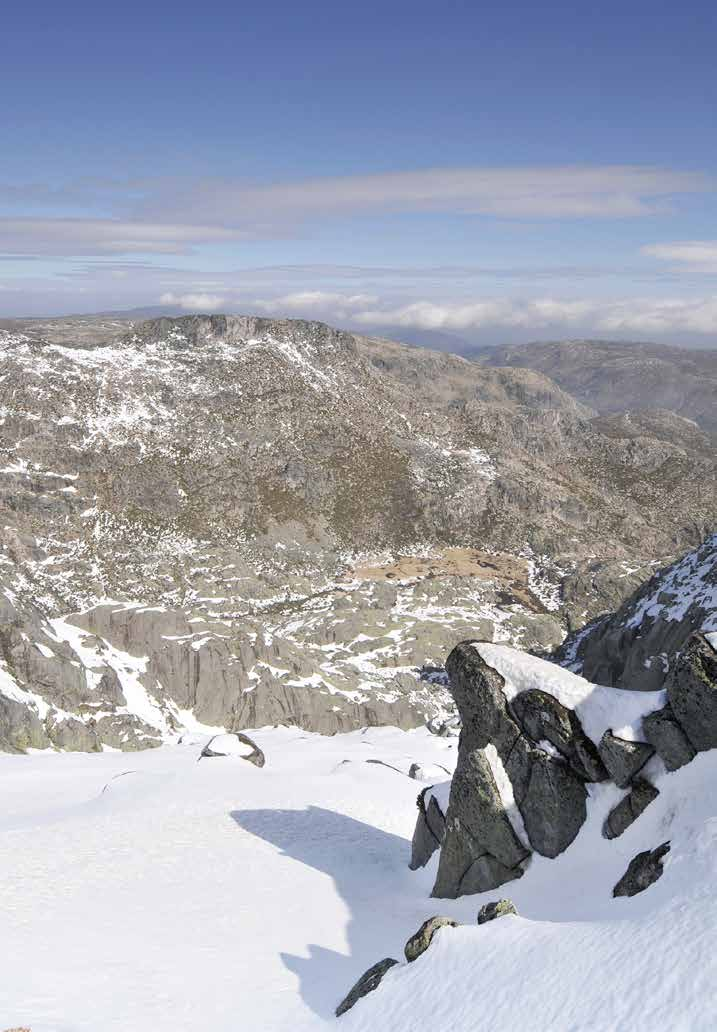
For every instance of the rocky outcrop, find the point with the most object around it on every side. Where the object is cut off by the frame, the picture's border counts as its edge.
(692, 692)
(498, 908)
(543, 718)
(642, 872)
(638, 646)
(629, 809)
(422, 939)
(429, 832)
(670, 742)
(367, 983)
(623, 759)
(480, 848)
(20, 727)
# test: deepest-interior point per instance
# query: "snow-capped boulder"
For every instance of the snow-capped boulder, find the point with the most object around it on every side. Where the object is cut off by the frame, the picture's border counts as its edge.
(642, 872)
(545, 719)
(629, 809)
(623, 759)
(369, 981)
(234, 744)
(692, 692)
(422, 939)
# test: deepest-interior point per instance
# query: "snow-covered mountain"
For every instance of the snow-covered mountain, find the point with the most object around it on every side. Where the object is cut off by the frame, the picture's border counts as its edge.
(233, 522)
(637, 646)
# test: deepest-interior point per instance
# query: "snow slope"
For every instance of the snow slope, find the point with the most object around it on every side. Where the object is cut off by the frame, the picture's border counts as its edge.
(155, 893)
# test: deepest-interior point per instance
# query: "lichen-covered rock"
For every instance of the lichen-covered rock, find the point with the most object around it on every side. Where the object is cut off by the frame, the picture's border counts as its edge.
(498, 908)
(692, 692)
(671, 744)
(623, 759)
(480, 849)
(422, 939)
(629, 809)
(642, 872)
(235, 744)
(367, 983)
(543, 718)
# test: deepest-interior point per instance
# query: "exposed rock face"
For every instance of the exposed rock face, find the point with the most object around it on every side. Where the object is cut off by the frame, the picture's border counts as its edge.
(623, 759)
(429, 832)
(499, 908)
(692, 692)
(543, 718)
(637, 646)
(642, 872)
(73, 736)
(671, 743)
(629, 809)
(422, 939)
(369, 981)
(20, 727)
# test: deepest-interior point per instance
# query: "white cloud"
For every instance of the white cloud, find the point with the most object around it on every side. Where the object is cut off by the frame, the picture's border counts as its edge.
(611, 191)
(79, 236)
(194, 302)
(315, 301)
(701, 254)
(633, 315)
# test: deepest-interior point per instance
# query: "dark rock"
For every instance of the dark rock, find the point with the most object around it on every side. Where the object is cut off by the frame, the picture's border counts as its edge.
(480, 849)
(366, 984)
(629, 809)
(643, 871)
(543, 718)
(498, 908)
(256, 756)
(422, 939)
(429, 831)
(692, 692)
(623, 759)
(671, 743)
(554, 807)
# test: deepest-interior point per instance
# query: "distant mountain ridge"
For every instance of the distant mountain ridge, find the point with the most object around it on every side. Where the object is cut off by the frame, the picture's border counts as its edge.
(613, 377)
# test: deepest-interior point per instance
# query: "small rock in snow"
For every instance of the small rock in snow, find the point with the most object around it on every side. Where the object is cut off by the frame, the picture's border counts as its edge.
(643, 871)
(422, 939)
(369, 981)
(498, 908)
(234, 744)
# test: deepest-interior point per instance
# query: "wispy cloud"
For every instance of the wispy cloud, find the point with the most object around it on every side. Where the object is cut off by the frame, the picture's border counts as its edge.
(172, 216)
(612, 191)
(697, 254)
(194, 302)
(80, 236)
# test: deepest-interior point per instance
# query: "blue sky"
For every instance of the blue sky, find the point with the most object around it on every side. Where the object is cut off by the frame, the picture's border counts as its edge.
(507, 171)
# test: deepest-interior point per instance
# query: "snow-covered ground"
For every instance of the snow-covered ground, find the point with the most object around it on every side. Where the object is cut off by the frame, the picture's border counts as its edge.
(154, 893)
